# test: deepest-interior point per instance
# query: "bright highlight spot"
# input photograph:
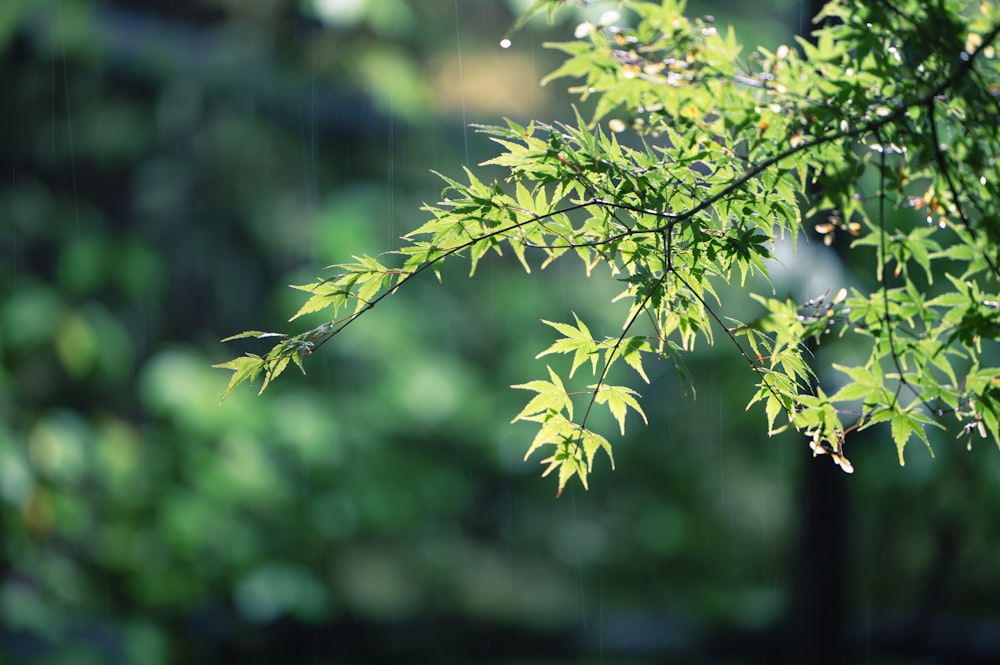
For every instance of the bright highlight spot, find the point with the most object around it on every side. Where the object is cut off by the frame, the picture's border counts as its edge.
(608, 18)
(504, 43)
(340, 12)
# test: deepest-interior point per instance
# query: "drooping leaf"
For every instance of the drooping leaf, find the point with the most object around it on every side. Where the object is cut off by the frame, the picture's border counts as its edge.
(577, 341)
(244, 368)
(619, 399)
(551, 395)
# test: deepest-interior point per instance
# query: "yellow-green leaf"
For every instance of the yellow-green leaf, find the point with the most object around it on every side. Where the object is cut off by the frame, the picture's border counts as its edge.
(551, 395)
(618, 399)
(245, 367)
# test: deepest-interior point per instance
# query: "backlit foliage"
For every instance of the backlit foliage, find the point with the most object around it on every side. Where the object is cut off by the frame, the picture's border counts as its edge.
(695, 159)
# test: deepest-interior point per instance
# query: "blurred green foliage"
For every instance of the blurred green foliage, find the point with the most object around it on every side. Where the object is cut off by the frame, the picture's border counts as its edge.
(166, 167)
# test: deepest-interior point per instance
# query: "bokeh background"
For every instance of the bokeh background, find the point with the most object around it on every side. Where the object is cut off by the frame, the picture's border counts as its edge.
(168, 167)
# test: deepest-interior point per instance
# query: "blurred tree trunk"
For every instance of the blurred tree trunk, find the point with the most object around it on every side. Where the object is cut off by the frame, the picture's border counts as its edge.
(817, 613)
(817, 620)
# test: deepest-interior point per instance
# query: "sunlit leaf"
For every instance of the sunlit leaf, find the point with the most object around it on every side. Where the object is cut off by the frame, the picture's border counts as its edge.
(244, 368)
(551, 395)
(619, 399)
(577, 341)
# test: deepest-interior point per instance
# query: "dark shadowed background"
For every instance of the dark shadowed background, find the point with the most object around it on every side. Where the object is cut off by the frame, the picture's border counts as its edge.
(167, 168)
